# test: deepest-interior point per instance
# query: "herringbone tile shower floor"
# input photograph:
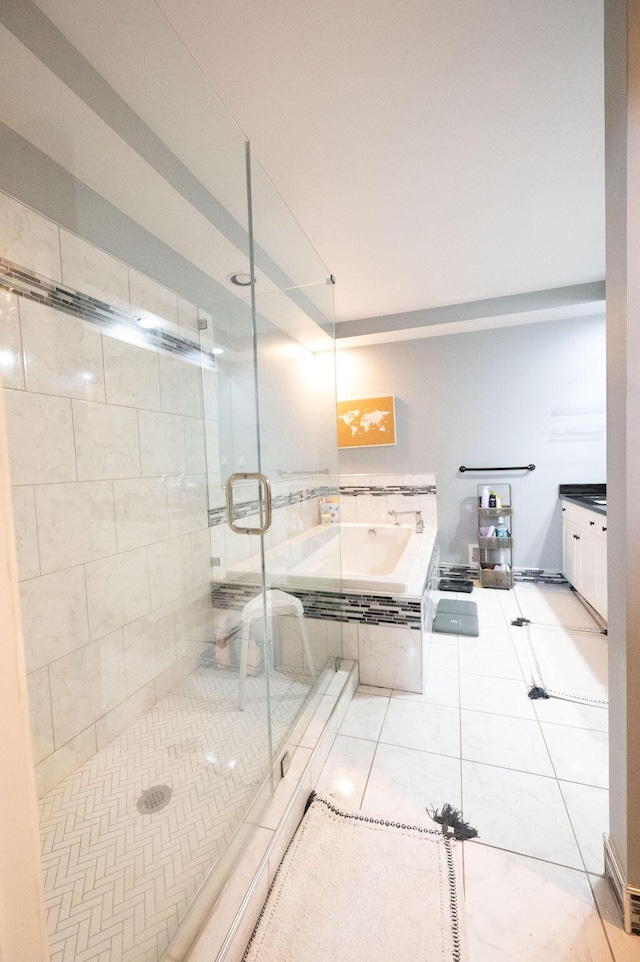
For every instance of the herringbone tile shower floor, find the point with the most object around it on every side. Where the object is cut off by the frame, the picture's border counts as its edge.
(117, 881)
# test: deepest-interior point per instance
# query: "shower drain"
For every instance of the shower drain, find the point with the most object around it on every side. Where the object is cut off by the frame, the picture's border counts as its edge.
(154, 799)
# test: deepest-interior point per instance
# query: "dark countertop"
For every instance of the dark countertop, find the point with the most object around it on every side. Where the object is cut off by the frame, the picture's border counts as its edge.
(591, 496)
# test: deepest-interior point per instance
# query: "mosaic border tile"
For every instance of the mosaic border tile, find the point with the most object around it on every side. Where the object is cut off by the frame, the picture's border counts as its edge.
(26, 283)
(247, 508)
(352, 607)
(379, 491)
(530, 575)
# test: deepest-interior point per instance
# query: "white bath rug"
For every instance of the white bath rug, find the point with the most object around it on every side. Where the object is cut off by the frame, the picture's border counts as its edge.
(564, 646)
(356, 889)
(568, 664)
(553, 606)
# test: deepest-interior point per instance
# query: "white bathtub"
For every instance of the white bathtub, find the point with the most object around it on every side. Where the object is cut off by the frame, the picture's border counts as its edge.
(384, 558)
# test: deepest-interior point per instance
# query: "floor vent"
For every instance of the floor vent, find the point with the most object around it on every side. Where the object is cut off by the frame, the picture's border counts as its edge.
(154, 799)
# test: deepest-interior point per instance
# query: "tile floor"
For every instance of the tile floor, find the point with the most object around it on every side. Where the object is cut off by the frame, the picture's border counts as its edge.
(531, 776)
(117, 881)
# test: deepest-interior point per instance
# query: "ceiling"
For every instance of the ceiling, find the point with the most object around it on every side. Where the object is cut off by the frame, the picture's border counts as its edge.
(435, 153)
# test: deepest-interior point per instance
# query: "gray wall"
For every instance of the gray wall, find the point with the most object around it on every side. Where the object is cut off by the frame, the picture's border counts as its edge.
(505, 396)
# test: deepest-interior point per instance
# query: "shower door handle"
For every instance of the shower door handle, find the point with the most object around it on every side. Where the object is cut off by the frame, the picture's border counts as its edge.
(266, 502)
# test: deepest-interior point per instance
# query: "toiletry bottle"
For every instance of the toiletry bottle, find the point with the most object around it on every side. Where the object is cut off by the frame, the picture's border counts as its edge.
(501, 529)
(484, 500)
(492, 499)
(498, 501)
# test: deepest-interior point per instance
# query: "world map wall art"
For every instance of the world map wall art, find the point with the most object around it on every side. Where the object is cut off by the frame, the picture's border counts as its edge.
(366, 422)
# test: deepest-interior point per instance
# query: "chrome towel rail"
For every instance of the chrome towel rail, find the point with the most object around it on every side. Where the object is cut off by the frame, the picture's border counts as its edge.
(285, 474)
(520, 467)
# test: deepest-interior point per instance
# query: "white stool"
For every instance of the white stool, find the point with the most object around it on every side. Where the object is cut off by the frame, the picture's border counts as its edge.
(254, 610)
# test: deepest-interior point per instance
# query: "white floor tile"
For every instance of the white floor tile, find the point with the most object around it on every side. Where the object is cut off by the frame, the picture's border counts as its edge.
(626, 948)
(589, 813)
(578, 755)
(498, 639)
(496, 664)
(346, 770)
(559, 712)
(365, 716)
(442, 657)
(519, 812)
(403, 783)
(515, 743)
(373, 690)
(500, 696)
(440, 688)
(429, 728)
(523, 910)
(491, 617)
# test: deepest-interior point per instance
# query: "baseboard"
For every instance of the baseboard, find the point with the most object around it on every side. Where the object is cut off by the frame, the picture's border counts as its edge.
(627, 896)
(543, 576)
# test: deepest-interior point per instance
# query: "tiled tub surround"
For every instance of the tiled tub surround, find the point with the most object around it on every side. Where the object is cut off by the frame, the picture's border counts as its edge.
(107, 445)
(388, 634)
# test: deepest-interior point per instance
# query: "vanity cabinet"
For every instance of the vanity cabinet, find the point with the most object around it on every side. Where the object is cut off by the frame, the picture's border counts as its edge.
(584, 553)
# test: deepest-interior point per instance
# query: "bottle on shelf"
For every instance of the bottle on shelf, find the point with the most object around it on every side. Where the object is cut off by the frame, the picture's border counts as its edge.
(484, 498)
(501, 529)
(492, 499)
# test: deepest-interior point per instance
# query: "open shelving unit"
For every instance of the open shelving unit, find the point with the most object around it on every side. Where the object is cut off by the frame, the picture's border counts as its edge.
(495, 551)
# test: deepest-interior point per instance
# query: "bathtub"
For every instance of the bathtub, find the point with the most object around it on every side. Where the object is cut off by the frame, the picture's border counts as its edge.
(385, 558)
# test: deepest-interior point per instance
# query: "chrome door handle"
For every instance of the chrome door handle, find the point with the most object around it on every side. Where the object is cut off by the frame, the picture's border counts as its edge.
(266, 502)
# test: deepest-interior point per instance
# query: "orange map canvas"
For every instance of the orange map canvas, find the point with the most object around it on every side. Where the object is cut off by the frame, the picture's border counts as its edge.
(366, 422)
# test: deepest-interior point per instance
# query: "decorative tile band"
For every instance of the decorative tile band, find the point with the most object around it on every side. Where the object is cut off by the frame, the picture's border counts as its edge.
(25, 283)
(379, 491)
(363, 609)
(247, 508)
(530, 575)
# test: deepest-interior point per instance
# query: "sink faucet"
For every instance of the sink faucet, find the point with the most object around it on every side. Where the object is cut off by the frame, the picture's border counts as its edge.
(418, 515)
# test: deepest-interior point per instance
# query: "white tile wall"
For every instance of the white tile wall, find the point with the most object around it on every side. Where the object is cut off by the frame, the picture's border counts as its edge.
(366, 509)
(107, 443)
(62, 354)
(88, 269)
(162, 444)
(132, 374)
(76, 523)
(149, 297)
(141, 512)
(117, 591)
(26, 532)
(108, 462)
(54, 616)
(40, 433)
(85, 685)
(28, 239)
(11, 366)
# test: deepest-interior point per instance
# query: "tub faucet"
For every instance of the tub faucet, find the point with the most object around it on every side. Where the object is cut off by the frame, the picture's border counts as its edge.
(418, 514)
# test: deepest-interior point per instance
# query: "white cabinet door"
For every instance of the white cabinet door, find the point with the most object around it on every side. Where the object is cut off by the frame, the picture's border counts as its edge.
(570, 558)
(603, 576)
(589, 549)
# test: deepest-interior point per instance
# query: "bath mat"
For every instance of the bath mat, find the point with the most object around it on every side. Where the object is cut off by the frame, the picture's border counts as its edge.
(355, 889)
(568, 663)
(565, 648)
(456, 618)
(455, 584)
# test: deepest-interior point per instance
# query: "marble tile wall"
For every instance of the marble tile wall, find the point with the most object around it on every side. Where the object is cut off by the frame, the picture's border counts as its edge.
(107, 440)
(368, 498)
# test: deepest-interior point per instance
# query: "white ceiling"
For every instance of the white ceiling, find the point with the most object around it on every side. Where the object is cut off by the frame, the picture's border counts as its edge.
(434, 152)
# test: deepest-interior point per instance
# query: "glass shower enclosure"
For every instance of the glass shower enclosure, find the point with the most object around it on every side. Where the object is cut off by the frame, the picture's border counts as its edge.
(166, 353)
